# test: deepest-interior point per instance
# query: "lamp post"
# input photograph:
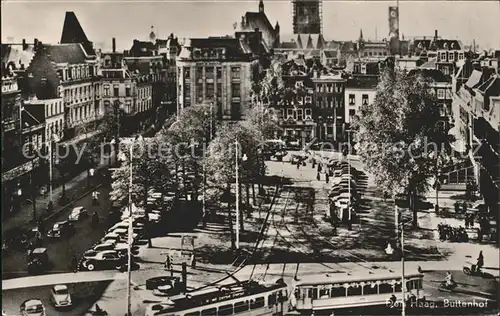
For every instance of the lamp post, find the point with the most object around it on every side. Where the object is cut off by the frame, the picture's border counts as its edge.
(244, 158)
(349, 172)
(53, 139)
(389, 250)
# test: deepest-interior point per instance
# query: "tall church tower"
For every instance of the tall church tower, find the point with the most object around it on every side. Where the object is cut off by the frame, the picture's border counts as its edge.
(307, 16)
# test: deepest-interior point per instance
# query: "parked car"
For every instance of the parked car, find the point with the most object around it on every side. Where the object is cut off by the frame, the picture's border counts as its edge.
(32, 307)
(110, 245)
(78, 213)
(104, 260)
(60, 229)
(60, 297)
(38, 260)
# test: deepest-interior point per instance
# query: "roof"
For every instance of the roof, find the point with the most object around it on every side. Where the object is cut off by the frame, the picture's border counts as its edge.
(430, 64)
(330, 53)
(434, 74)
(233, 46)
(310, 41)
(73, 33)
(422, 43)
(362, 82)
(258, 20)
(348, 46)
(335, 278)
(289, 45)
(491, 87)
(16, 55)
(65, 53)
(446, 44)
(142, 48)
(474, 79)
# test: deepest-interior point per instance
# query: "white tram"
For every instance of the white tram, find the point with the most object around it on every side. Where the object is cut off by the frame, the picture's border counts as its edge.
(322, 293)
(245, 298)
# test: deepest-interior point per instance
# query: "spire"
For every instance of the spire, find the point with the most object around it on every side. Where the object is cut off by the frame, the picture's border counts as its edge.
(152, 35)
(261, 6)
(72, 33)
(360, 34)
(277, 26)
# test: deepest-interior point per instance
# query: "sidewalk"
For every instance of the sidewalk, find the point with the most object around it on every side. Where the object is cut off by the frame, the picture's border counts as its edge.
(75, 187)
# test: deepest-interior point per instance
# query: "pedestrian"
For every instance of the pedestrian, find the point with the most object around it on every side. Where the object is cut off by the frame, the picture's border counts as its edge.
(471, 220)
(480, 261)
(466, 221)
(327, 178)
(193, 261)
(298, 164)
(74, 264)
(318, 177)
(320, 167)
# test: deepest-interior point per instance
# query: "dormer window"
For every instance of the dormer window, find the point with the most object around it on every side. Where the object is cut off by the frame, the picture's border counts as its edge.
(442, 56)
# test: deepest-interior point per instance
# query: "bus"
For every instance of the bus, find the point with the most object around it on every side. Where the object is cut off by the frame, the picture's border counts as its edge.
(243, 298)
(326, 293)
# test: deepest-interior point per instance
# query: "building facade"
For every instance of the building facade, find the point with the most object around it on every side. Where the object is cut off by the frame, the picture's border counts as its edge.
(360, 91)
(219, 71)
(329, 109)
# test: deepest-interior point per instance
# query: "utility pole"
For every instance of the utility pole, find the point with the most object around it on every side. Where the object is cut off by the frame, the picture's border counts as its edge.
(237, 199)
(130, 232)
(403, 284)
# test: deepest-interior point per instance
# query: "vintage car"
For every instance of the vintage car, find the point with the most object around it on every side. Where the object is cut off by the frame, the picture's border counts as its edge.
(60, 297)
(77, 214)
(38, 260)
(32, 307)
(61, 229)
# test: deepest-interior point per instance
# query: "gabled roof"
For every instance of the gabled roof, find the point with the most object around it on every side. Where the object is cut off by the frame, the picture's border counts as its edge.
(73, 33)
(446, 44)
(258, 20)
(16, 55)
(422, 43)
(434, 74)
(333, 45)
(348, 47)
(65, 53)
(142, 48)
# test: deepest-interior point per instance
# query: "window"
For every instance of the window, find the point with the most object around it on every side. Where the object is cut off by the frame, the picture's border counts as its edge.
(443, 55)
(369, 289)
(209, 312)
(225, 310)
(235, 89)
(195, 313)
(300, 116)
(320, 102)
(209, 72)
(257, 303)
(116, 91)
(199, 91)
(210, 90)
(299, 84)
(241, 307)
(385, 288)
(235, 73)
(308, 99)
(308, 114)
(219, 72)
(352, 112)
(352, 99)
(127, 90)
(329, 129)
(440, 93)
(354, 290)
(364, 100)
(106, 90)
(324, 292)
(128, 105)
(289, 113)
(187, 73)
(199, 73)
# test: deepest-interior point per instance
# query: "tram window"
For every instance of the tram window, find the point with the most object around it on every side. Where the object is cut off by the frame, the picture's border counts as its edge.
(314, 293)
(337, 292)
(370, 289)
(398, 288)
(385, 288)
(352, 291)
(225, 310)
(323, 292)
(197, 313)
(209, 312)
(241, 307)
(257, 303)
(271, 300)
(410, 285)
(419, 284)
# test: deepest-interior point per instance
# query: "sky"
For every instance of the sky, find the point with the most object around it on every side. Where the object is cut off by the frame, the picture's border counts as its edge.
(342, 20)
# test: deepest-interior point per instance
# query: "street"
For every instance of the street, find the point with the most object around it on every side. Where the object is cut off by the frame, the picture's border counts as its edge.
(61, 250)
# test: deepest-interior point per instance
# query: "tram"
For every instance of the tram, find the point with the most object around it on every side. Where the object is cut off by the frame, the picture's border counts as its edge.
(326, 293)
(249, 298)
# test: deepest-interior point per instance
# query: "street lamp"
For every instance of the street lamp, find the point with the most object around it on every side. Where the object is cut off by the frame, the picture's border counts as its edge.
(349, 172)
(53, 139)
(389, 250)
(244, 158)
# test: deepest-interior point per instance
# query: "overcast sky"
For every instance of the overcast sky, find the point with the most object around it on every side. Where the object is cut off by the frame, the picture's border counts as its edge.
(342, 20)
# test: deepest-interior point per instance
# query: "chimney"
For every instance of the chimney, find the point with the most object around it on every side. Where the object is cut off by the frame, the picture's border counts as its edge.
(114, 45)
(24, 44)
(435, 34)
(36, 42)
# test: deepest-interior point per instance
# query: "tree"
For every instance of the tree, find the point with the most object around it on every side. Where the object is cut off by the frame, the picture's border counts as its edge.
(398, 135)
(148, 172)
(220, 163)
